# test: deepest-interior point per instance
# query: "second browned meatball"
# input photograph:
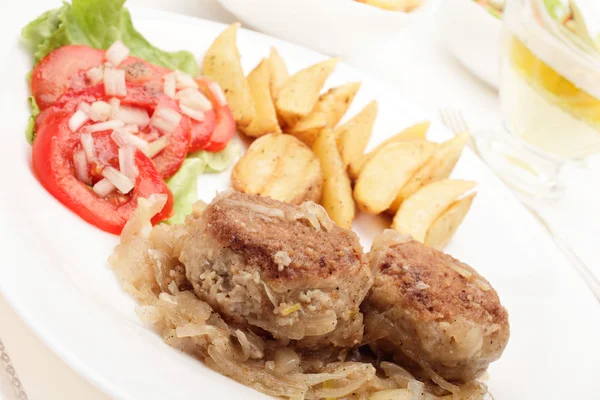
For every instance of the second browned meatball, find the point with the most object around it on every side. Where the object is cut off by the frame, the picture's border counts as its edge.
(429, 309)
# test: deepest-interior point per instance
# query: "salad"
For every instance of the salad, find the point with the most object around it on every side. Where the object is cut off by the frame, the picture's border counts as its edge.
(115, 119)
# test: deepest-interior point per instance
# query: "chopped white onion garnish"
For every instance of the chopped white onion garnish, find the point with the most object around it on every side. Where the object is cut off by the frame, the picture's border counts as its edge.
(127, 162)
(218, 93)
(132, 128)
(87, 142)
(103, 187)
(85, 107)
(124, 138)
(121, 182)
(133, 115)
(165, 119)
(117, 53)
(81, 167)
(77, 120)
(115, 104)
(104, 126)
(114, 82)
(193, 114)
(100, 111)
(184, 80)
(192, 98)
(170, 85)
(157, 146)
(95, 75)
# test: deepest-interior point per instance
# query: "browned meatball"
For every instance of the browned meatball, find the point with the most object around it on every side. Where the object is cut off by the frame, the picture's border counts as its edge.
(429, 309)
(286, 269)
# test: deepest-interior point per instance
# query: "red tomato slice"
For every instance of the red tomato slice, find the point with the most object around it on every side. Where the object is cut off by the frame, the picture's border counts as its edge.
(202, 131)
(62, 69)
(145, 96)
(141, 71)
(224, 122)
(53, 152)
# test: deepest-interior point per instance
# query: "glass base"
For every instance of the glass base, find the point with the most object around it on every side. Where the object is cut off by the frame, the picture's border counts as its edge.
(534, 174)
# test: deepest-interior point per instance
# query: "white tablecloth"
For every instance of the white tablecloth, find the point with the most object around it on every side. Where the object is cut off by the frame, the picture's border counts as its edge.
(420, 67)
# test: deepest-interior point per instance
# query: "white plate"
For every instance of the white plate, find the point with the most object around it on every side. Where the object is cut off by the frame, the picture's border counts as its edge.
(334, 27)
(473, 35)
(54, 271)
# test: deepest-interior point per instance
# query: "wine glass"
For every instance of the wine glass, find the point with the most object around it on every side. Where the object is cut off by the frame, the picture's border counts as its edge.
(550, 98)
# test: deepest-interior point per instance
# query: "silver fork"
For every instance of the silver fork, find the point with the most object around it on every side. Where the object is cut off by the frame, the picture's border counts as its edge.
(455, 121)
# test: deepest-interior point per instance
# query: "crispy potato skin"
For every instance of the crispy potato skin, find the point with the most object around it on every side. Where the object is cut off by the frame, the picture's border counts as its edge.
(222, 64)
(281, 167)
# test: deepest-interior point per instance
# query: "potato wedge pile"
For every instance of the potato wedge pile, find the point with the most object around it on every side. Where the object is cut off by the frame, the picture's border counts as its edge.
(302, 152)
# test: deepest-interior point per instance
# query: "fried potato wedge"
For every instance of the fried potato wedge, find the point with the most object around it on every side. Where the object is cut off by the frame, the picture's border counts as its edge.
(445, 226)
(281, 167)
(439, 167)
(415, 132)
(328, 111)
(389, 169)
(222, 64)
(279, 72)
(265, 116)
(419, 211)
(298, 96)
(352, 137)
(337, 190)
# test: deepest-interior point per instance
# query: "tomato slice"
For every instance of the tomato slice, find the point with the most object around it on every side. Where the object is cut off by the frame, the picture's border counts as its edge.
(62, 69)
(65, 68)
(141, 71)
(53, 152)
(146, 96)
(224, 122)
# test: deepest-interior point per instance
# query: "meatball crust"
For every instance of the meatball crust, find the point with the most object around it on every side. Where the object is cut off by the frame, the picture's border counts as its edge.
(286, 269)
(431, 310)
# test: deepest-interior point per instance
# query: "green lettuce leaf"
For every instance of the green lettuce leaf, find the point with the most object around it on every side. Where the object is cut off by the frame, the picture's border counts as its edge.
(184, 184)
(98, 23)
(35, 110)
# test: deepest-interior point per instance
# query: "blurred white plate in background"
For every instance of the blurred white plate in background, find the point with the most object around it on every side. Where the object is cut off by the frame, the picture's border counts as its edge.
(334, 27)
(473, 36)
